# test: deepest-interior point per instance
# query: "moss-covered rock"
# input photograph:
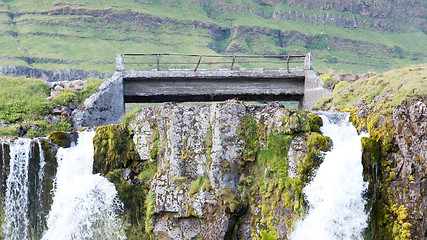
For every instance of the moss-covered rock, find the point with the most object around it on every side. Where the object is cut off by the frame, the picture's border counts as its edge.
(114, 148)
(60, 138)
(223, 168)
(370, 158)
(248, 132)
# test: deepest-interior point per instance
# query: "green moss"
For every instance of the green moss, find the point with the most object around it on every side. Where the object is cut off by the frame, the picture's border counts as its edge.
(114, 148)
(304, 122)
(115, 176)
(60, 138)
(201, 183)
(247, 131)
(316, 144)
(370, 158)
(148, 172)
(230, 199)
(401, 226)
(275, 157)
(154, 152)
(315, 123)
(208, 144)
(269, 235)
(133, 197)
(151, 200)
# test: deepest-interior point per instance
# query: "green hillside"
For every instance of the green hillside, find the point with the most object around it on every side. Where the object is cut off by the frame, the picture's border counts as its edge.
(86, 35)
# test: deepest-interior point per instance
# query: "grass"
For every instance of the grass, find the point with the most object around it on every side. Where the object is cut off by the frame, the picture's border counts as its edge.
(23, 102)
(91, 42)
(23, 98)
(402, 83)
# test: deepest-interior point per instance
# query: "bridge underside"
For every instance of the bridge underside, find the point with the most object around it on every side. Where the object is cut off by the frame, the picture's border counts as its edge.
(212, 89)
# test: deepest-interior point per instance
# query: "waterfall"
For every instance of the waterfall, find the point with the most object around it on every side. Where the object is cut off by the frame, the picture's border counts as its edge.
(336, 206)
(84, 205)
(16, 221)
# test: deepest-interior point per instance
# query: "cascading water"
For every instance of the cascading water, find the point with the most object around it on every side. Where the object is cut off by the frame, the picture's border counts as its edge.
(16, 221)
(84, 205)
(336, 206)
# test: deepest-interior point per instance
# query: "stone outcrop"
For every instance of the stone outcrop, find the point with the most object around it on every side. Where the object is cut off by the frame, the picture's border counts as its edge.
(410, 186)
(217, 171)
(395, 167)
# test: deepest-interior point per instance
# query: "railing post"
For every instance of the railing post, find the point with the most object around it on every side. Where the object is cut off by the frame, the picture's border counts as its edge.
(308, 62)
(287, 64)
(232, 64)
(158, 62)
(197, 66)
(120, 62)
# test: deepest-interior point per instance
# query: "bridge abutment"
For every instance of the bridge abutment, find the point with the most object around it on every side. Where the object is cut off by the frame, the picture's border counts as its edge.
(106, 106)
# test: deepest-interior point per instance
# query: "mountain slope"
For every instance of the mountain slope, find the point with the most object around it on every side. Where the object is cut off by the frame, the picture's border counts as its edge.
(86, 35)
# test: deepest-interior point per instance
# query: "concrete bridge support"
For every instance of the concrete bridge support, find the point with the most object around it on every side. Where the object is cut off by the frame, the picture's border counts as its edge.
(313, 85)
(106, 106)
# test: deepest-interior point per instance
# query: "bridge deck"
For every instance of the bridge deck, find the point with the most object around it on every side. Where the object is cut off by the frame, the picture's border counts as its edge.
(218, 85)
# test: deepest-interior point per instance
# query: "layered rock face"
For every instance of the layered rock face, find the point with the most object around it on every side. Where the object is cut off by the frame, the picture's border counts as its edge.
(410, 187)
(223, 170)
(395, 166)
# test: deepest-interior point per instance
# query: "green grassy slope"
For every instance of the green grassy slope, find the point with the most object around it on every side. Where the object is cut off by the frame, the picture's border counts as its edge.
(86, 35)
(399, 85)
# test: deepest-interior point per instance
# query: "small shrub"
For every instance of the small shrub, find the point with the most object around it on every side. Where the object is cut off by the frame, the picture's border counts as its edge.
(66, 97)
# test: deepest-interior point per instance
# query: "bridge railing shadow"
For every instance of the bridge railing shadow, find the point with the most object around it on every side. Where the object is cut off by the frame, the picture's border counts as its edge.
(204, 62)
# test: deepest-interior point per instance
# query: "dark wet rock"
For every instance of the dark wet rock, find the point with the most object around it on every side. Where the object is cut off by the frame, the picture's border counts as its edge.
(22, 130)
(130, 176)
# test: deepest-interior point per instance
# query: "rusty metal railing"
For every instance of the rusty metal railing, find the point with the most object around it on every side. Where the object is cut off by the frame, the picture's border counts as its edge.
(230, 60)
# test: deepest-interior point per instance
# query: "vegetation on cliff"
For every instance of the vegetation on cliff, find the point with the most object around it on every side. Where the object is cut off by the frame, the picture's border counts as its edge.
(115, 154)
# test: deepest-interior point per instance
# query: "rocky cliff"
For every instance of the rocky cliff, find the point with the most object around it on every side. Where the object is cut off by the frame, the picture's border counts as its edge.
(395, 166)
(215, 172)
(392, 108)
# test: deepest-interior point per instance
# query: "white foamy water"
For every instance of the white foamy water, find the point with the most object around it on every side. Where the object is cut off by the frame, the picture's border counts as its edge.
(336, 206)
(16, 221)
(84, 205)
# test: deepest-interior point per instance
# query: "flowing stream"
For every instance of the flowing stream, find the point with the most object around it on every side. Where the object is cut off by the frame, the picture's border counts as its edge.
(336, 206)
(81, 205)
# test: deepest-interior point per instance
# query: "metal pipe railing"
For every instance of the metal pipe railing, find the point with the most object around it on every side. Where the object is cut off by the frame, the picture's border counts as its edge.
(234, 60)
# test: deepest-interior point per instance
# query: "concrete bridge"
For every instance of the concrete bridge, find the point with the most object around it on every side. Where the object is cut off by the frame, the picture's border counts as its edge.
(178, 83)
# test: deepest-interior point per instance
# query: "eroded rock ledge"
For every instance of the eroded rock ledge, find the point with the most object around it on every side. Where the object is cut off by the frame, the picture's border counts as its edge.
(214, 172)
